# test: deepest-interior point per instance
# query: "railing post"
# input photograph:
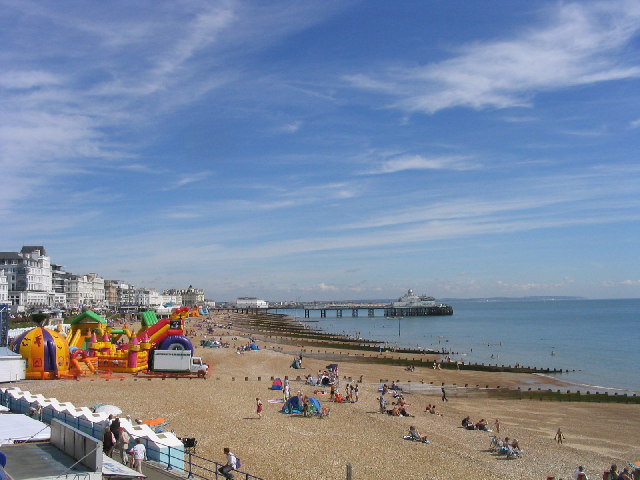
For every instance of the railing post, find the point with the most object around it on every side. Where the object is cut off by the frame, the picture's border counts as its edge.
(349, 472)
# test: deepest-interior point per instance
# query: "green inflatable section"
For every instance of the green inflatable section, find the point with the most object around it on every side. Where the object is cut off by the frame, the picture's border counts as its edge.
(89, 314)
(149, 318)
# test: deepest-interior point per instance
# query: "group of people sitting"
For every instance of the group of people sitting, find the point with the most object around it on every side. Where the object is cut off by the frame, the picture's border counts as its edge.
(214, 343)
(324, 378)
(399, 408)
(510, 448)
(481, 424)
(625, 474)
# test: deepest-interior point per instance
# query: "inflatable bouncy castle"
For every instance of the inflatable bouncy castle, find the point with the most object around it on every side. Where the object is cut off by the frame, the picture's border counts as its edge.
(45, 351)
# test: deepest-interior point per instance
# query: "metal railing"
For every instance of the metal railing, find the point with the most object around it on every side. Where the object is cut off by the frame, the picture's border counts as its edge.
(173, 458)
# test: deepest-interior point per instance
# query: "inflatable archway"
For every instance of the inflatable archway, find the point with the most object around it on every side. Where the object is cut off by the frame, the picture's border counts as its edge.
(176, 342)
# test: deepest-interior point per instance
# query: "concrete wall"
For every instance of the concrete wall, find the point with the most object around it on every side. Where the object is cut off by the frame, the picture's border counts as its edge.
(77, 445)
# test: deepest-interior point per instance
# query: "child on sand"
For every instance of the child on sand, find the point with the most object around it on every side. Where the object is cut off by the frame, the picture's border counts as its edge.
(259, 407)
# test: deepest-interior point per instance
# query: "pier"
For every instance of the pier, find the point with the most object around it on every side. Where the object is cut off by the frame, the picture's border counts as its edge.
(370, 308)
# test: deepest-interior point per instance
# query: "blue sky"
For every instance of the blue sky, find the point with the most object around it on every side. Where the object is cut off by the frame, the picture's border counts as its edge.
(335, 149)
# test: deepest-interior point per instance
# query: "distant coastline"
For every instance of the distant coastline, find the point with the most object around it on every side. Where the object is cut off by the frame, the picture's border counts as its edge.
(538, 298)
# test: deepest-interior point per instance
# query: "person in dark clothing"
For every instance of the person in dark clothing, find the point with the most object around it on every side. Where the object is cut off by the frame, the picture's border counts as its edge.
(115, 427)
(108, 442)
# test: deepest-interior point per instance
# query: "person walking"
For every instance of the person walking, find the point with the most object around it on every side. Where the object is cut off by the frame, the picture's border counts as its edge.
(444, 395)
(139, 454)
(108, 441)
(122, 445)
(559, 436)
(259, 407)
(114, 426)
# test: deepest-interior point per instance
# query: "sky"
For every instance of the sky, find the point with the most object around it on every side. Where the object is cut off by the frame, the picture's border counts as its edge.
(326, 150)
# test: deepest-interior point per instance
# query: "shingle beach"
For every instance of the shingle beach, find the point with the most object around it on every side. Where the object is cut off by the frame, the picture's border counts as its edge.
(220, 412)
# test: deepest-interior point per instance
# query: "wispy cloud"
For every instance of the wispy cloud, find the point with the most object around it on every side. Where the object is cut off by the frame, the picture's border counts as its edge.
(580, 44)
(188, 179)
(27, 79)
(635, 123)
(128, 69)
(420, 162)
(291, 127)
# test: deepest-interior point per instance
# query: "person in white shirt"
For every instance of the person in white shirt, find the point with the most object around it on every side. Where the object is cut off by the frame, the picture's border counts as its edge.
(139, 454)
(230, 466)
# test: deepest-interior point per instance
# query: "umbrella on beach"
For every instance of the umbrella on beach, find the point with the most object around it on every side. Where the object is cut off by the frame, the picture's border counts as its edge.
(108, 409)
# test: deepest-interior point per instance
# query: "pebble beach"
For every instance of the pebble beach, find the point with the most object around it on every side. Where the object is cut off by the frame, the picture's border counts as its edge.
(220, 412)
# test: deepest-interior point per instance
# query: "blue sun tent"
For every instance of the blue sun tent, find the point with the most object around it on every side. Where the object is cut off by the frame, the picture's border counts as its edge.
(294, 405)
(277, 384)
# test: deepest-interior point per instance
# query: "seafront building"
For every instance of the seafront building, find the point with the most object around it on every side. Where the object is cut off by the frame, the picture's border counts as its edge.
(190, 296)
(29, 280)
(29, 277)
(4, 287)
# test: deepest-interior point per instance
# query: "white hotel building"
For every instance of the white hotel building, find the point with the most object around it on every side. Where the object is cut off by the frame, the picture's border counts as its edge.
(28, 274)
(4, 288)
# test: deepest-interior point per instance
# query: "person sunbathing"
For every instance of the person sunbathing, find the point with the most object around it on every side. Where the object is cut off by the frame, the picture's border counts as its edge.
(413, 433)
(403, 412)
(432, 410)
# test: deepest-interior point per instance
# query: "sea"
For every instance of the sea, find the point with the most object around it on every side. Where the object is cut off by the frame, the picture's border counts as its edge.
(596, 343)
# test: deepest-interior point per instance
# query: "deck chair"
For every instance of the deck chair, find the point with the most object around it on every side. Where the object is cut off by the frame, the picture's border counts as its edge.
(494, 444)
(513, 453)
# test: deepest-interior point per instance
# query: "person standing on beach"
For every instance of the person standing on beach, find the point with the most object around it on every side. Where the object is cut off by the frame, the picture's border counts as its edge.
(496, 425)
(559, 436)
(383, 404)
(444, 395)
(259, 408)
(287, 390)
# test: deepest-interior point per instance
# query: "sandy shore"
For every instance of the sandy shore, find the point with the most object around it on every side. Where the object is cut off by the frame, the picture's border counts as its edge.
(220, 411)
